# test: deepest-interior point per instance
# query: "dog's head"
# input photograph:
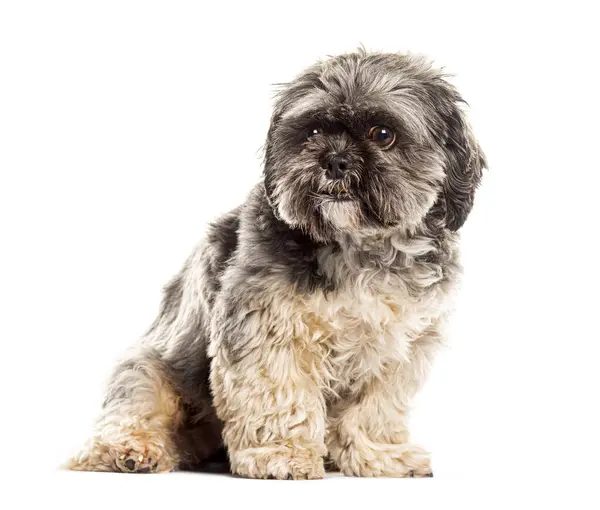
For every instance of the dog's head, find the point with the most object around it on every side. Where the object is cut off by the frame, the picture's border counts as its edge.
(364, 142)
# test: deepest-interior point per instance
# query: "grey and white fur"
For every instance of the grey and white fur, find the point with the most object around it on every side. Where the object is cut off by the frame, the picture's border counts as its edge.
(297, 333)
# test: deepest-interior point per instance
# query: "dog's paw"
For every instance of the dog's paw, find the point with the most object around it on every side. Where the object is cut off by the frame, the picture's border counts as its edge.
(401, 461)
(278, 463)
(129, 453)
(134, 461)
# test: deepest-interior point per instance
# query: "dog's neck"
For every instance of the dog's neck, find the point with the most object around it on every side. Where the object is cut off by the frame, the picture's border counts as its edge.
(389, 248)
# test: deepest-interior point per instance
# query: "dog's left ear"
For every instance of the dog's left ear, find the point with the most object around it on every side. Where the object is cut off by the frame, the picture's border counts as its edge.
(464, 164)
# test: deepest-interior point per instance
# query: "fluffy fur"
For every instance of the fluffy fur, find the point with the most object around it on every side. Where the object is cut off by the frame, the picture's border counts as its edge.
(304, 323)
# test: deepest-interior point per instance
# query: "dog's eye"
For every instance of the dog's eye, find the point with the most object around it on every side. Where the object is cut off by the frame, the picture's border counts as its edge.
(382, 136)
(313, 132)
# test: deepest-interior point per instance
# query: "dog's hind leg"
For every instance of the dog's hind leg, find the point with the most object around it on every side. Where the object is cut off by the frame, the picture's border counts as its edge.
(141, 413)
(158, 414)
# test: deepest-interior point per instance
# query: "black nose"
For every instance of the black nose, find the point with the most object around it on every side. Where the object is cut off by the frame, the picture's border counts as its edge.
(335, 166)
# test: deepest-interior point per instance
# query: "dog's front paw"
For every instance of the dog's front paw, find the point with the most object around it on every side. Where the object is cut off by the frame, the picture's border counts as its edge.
(277, 462)
(405, 460)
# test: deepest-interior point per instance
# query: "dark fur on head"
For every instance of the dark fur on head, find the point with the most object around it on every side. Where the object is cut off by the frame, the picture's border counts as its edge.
(431, 171)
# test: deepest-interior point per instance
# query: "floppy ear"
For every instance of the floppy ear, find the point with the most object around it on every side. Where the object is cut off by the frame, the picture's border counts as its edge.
(268, 173)
(464, 164)
(287, 95)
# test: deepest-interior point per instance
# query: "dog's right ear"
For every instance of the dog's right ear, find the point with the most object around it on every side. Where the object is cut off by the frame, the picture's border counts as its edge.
(268, 170)
(287, 94)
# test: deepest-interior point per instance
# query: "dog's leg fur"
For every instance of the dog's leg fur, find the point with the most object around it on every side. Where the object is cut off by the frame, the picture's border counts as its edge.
(141, 412)
(272, 407)
(157, 414)
(274, 415)
(368, 435)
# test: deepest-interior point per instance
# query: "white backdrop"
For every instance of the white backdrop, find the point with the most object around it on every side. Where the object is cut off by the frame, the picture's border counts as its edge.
(126, 126)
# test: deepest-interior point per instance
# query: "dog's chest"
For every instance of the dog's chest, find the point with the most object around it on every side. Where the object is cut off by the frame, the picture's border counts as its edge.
(371, 319)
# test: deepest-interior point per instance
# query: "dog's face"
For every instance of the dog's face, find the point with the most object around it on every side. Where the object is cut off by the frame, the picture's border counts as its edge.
(365, 142)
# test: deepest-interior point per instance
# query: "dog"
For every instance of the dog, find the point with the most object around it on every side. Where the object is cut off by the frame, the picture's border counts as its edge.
(297, 333)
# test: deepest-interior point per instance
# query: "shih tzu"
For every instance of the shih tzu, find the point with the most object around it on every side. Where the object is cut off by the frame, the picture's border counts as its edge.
(297, 333)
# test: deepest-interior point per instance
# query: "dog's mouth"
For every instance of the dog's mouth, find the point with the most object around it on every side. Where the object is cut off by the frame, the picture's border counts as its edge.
(337, 191)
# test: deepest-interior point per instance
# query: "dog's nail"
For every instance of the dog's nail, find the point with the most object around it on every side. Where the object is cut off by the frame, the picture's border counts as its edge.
(430, 475)
(411, 474)
(140, 458)
(289, 476)
(144, 470)
(130, 464)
